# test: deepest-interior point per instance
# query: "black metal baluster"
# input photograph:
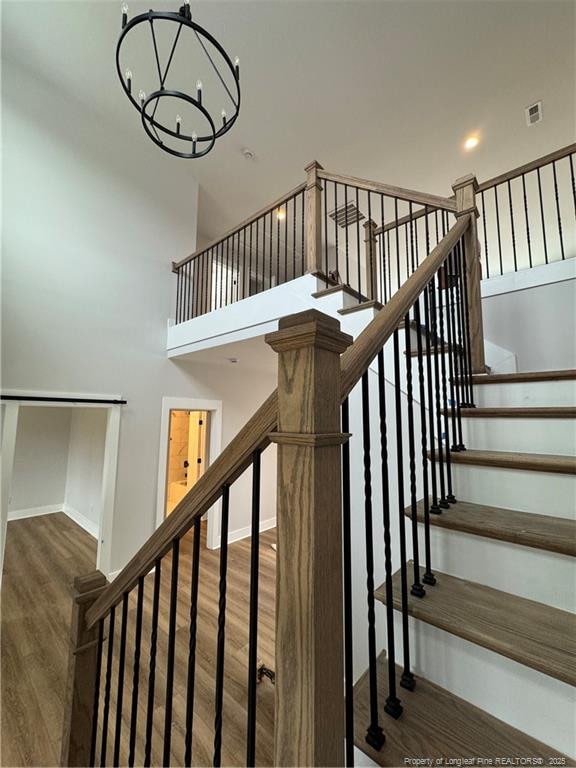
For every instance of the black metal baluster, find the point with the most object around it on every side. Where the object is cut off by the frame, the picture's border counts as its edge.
(374, 734)
(271, 247)
(358, 246)
(136, 671)
(407, 680)
(383, 253)
(257, 276)
(220, 645)
(498, 227)
(572, 178)
(178, 285)
(107, 684)
(449, 494)
(397, 243)
(253, 630)
(389, 265)
(454, 347)
(96, 701)
(466, 319)
(542, 215)
(286, 239)
(152, 664)
(393, 705)
(243, 288)
(411, 225)
(120, 685)
(442, 503)
(428, 577)
(294, 237)
(346, 234)
(526, 219)
(485, 236)
(303, 238)
(417, 589)
(278, 281)
(558, 215)
(434, 507)
(512, 230)
(171, 652)
(347, 588)
(191, 673)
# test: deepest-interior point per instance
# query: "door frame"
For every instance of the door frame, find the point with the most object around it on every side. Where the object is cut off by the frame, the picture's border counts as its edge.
(214, 448)
(110, 461)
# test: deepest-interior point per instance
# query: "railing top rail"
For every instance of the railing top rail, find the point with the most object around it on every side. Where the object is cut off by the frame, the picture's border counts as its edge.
(527, 167)
(237, 455)
(250, 220)
(409, 195)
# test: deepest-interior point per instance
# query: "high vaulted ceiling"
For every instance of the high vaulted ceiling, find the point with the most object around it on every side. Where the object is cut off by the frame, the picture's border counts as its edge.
(385, 89)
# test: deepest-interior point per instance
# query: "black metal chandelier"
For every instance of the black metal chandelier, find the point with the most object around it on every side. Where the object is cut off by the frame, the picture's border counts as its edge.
(195, 135)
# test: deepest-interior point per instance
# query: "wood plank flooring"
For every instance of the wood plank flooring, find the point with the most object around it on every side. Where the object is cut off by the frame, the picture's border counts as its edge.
(42, 557)
(528, 632)
(554, 534)
(437, 724)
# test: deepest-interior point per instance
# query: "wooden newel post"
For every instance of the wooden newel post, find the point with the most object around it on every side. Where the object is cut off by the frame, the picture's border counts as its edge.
(79, 703)
(313, 218)
(465, 190)
(370, 256)
(309, 721)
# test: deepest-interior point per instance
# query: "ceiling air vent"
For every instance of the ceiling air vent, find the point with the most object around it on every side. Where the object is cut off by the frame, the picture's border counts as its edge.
(346, 215)
(534, 113)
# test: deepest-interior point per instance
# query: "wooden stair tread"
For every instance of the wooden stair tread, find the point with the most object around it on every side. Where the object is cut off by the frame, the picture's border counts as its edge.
(534, 462)
(528, 632)
(436, 724)
(555, 412)
(553, 534)
(512, 378)
(358, 307)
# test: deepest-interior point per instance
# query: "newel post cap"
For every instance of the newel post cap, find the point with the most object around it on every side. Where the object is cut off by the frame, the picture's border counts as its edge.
(309, 329)
(465, 181)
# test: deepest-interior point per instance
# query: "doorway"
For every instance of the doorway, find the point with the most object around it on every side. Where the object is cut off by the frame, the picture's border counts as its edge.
(188, 453)
(205, 444)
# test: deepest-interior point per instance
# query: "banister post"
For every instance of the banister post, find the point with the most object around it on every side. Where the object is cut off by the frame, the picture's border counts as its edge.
(370, 256)
(313, 218)
(79, 702)
(465, 190)
(309, 719)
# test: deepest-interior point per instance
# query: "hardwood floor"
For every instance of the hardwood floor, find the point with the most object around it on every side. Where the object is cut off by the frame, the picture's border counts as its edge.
(43, 555)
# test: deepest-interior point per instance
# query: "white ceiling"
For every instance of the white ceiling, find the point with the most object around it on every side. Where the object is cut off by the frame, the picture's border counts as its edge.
(385, 89)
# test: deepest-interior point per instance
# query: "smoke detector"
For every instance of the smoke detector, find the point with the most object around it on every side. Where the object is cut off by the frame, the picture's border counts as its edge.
(534, 113)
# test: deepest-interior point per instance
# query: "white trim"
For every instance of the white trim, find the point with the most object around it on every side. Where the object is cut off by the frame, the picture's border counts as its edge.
(23, 394)
(244, 533)
(9, 431)
(90, 526)
(188, 404)
(545, 274)
(47, 509)
(109, 472)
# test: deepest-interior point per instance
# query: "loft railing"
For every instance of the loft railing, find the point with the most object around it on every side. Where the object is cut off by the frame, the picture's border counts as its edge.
(124, 652)
(363, 234)
(528, 215)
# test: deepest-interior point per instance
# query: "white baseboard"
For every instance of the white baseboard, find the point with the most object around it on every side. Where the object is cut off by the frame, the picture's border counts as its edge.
(244, 533)
(88, 525)
(47, 509)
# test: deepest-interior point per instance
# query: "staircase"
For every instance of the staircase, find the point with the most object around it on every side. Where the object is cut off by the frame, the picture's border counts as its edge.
(397, 464)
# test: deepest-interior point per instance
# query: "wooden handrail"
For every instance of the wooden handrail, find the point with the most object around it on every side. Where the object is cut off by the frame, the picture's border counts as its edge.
(409, 195)
(527, 167)
(250, 220)
(237, 455)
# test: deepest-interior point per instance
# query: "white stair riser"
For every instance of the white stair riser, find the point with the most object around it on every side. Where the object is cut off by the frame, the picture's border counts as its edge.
(524, 698)
(541, 492)
(524, 435)
(535, 574)
(532, 393)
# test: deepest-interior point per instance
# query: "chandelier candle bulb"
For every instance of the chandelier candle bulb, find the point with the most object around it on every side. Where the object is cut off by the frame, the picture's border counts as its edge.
(142, 97)
(199, 90)
(224, 116)
(178, 124)
(194, 138)
(129, 80)
(237, 67)
(124, 14)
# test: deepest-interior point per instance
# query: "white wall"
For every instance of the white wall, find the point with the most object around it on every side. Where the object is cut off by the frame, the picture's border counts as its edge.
(83, 497)
(41, 458)
(89, 234)
(534, 318)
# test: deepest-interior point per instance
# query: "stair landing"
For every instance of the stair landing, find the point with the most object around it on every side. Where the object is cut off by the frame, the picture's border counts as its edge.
(436, 724)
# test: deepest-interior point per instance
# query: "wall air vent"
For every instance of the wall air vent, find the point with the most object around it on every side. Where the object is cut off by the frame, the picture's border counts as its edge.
(346, 215)
(534, 113)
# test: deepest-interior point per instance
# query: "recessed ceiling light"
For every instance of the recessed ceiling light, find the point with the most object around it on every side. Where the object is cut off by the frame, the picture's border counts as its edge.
(232, 359)
(471, 143)
(248, 154)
